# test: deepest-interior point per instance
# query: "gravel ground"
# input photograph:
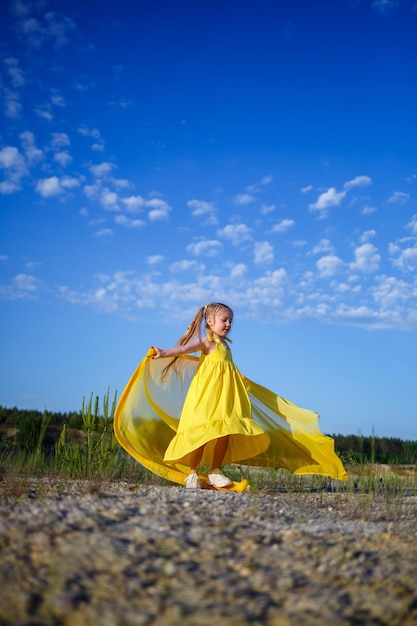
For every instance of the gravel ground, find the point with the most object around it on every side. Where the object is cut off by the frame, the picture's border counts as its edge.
(80, 554)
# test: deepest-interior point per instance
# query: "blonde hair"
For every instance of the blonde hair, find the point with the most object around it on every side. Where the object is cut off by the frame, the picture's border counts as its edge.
(194, 329)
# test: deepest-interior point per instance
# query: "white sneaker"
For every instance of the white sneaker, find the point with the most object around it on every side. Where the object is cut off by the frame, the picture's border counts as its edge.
(218, 479)
(192, 481)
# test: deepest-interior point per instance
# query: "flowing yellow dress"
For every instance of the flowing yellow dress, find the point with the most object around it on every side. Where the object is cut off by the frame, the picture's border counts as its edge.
(161, 421)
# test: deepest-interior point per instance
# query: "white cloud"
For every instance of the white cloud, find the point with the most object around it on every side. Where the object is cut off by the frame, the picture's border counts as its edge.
(326, 200)
(263, 252)
(12, 105)
(366, 235)
(359, 181)
(63, 158)
(367, 258)
(329, 265)
(50, 27)
(104, 232)
(412, 224)
(206, 247)
(10, 157)
(49, 187)
(14, 71)
(58, 100)
(13, 163)
(60, 140)
(185, 266)
(405, 258)
(91, 191)
(390, 291)
(324, 245)
(154, 259)
(120, 183)
(242, 199)
(306, 189)
(267, 208)
(202, 208)
(237, 271)
(44, 113)
(54, 186)
(33, 154)
(102, 169)
(283, 226)
(23, 286)
(368, 210)
(133, 203)
(266, 180)
(398, 197)
(89, 132)
(122, 220)
(109, 199)
(69, 182)
(237, 233)
(159, 209)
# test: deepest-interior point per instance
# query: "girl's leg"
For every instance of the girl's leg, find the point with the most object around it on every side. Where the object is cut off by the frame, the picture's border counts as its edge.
(195, 458)
(220, 450)
(215, 476)
(192, 481)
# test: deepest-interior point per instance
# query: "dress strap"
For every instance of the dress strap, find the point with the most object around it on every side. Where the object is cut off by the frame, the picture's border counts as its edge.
(210, 338)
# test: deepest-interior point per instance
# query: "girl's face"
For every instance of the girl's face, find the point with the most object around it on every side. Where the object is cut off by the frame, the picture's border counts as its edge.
(221, 323)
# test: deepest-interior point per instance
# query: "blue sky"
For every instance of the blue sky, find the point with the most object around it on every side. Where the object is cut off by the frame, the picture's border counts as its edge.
(156, 156)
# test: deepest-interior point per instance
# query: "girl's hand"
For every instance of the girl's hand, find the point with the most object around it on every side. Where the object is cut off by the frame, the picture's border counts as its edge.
(157, 352)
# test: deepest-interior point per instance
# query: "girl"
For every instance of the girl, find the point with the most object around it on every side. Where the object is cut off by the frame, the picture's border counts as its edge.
(179, 413)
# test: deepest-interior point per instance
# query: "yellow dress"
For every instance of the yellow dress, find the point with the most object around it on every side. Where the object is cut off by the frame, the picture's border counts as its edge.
(159, 422)
(217, 404)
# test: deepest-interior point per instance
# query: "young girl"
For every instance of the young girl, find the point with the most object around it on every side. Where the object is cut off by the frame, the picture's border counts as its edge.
(179, 414)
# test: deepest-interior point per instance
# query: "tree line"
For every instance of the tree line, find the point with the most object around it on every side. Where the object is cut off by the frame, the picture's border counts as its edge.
(352, 449)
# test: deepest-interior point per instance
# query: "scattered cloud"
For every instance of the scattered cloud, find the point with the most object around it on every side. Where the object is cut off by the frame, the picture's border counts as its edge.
(15, 72)
(327, 200)
(206, 247)
(102, 169)
(242, 199)
(283, 226)
(323, 246)
(155, 259)
(412, 224)
(122, 220)
(14, 165)
(208, 210)
(366, 235)
(186, 266)
(263, 253)
(367, 258)
(329, 265)
(368, 210)
(398, 197)
(22, 287)
(358, 181)
(49, 187)
(266, 180)
(267, 208)
(236, 233)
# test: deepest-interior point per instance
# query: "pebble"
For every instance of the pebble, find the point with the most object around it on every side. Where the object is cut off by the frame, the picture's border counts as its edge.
(126, 555)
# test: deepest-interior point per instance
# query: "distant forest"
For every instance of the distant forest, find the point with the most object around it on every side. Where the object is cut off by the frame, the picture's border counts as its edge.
(22, 428)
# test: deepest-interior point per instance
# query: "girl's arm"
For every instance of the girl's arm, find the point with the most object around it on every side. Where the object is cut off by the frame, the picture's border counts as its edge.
(199, 345)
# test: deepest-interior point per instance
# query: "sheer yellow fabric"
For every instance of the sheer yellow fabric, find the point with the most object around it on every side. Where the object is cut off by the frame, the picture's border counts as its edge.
(213, 399)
